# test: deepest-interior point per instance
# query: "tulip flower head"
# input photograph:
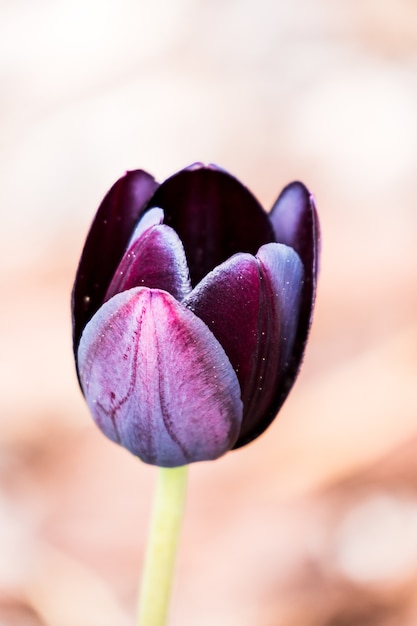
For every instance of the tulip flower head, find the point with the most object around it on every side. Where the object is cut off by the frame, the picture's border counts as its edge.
(191, 310)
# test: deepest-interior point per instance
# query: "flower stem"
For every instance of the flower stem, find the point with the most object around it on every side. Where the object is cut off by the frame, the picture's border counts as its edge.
(162, 546)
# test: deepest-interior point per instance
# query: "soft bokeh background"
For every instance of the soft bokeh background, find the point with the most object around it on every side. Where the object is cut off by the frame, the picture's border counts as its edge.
(316, 523)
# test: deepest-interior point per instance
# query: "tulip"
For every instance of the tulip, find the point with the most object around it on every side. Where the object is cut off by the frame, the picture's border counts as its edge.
(191, 310)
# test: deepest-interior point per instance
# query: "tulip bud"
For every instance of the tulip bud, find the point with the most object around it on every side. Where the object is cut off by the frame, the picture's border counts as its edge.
(191, 311)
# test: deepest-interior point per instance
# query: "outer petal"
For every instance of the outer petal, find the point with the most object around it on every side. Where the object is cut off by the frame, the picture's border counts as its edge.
(157, 381)
(214, 215)
(296, 224)
(156, 260)
(106, 244)
(251, 304)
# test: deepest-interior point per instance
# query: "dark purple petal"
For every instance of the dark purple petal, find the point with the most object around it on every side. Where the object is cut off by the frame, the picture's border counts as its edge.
(106, 243)
(251, 304)
(157, 381)
(156, 259)
(214, 215)
(296, 224)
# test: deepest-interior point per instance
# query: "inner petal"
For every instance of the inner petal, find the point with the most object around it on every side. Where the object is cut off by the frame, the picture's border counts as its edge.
(251, 304)
(214, 215)
(155, 259)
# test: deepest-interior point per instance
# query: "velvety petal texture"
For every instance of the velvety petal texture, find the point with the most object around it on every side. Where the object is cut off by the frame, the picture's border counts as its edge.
(157, 381)
(191, 311)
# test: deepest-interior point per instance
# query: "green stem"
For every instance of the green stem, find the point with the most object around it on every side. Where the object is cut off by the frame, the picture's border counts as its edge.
(162, 546)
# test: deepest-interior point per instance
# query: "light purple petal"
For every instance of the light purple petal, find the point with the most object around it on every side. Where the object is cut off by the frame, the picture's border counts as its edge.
(155, 259)
(157, 381)
(251, 304)
(106, 243)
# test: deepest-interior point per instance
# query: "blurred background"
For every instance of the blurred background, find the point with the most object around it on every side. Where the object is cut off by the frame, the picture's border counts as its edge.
(315, 524)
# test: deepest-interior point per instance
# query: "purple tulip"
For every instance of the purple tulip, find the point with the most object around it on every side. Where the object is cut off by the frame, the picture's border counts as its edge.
(191, 311)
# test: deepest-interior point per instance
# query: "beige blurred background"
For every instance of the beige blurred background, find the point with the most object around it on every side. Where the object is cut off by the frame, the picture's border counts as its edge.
(315, 524)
